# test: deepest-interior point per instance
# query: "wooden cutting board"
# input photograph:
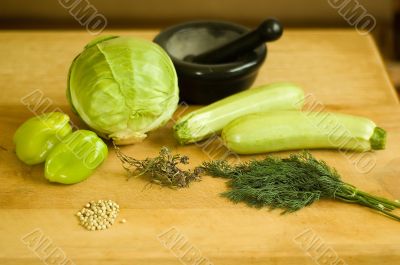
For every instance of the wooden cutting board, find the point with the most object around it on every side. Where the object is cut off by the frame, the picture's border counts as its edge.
(340, 68)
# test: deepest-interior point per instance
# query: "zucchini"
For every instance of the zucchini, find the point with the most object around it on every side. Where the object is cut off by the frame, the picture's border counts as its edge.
(210, 120)
(292, 130)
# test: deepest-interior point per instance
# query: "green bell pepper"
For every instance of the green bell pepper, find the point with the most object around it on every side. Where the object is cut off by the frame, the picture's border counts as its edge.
(35, 138)
(75, 158)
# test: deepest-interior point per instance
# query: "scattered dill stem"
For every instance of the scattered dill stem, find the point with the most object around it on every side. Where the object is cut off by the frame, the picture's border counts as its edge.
(291, 184)
(162, 170)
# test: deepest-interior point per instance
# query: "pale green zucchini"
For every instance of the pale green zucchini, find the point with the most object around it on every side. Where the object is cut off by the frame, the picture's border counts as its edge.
(292, 130)
(210, 120)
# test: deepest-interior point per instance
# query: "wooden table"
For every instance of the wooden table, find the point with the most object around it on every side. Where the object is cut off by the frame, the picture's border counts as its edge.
(343, 70)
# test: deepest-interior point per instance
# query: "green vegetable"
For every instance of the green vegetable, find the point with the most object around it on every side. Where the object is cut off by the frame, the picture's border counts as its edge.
(209, 120)
(37, 136)
(123, 87)
(291, 130)
(75, 158)
(291, 184)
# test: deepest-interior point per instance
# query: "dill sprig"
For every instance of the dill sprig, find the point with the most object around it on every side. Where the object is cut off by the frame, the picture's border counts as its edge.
(291, 184)
(162, 169)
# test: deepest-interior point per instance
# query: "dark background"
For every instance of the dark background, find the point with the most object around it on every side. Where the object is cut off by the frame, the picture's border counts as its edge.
(50, 14)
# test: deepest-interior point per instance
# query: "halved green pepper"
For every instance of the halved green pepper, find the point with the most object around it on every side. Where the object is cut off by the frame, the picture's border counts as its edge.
(75, 158)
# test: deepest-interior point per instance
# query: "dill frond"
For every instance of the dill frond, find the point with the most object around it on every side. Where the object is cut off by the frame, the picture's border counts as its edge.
(291, 184)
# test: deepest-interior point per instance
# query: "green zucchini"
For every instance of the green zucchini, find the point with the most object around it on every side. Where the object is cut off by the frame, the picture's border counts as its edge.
(292, 130)
(210, 120)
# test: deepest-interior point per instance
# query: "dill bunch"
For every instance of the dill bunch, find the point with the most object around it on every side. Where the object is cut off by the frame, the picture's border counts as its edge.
(162, 169)
(291, 184)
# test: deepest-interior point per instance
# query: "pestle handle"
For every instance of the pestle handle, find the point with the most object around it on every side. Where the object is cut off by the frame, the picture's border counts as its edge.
(269, 30)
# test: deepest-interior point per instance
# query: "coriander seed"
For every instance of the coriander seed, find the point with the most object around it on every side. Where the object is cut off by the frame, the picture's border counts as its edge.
(98, 215)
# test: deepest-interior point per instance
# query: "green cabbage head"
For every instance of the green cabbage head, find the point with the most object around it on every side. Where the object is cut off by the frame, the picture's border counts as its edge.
(123, 87)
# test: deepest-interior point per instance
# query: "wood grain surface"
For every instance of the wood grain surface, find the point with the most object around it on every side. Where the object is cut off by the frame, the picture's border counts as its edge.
(342, 70)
